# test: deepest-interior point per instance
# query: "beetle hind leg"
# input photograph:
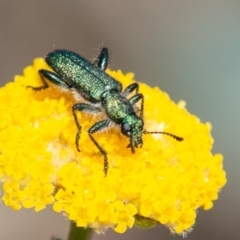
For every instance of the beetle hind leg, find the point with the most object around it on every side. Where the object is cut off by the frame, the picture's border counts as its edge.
(102, 59)
(52, 78)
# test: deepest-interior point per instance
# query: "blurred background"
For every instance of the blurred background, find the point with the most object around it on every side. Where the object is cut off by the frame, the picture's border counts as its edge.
(189, 48)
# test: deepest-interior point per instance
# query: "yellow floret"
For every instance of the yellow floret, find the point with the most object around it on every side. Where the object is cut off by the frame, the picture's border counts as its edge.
(164, 182)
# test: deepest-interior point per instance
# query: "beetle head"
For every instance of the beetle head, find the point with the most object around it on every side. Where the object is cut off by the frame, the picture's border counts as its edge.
(132, 127)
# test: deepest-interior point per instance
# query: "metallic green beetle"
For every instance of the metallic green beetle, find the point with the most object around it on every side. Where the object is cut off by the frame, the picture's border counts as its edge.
(100, 92)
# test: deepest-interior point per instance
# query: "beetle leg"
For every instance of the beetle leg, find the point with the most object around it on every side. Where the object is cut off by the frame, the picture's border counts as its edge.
(83, 107)
(53, 78)
(95, 128)
(130, 88)
(102, 59)
(134, 99)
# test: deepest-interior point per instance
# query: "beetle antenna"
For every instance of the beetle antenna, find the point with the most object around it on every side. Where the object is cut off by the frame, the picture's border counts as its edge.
(166, 133)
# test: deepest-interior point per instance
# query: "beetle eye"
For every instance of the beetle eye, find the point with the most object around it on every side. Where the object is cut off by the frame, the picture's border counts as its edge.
(126, 129)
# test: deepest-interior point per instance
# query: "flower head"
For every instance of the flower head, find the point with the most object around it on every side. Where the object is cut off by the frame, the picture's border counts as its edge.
(165, 181)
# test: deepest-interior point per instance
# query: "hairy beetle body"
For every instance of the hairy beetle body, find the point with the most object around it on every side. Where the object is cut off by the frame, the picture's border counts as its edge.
(74, 73)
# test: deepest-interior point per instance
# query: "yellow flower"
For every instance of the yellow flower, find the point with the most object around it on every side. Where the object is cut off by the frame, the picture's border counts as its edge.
(165, 181)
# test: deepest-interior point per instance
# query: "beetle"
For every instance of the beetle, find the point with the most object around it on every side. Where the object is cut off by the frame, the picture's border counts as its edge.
(101, 93)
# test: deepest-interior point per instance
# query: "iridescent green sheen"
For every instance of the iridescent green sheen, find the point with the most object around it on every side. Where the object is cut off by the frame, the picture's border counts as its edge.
(88, 80)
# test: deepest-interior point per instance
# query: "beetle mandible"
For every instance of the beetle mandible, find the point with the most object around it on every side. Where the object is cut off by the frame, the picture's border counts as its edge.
(101, 92)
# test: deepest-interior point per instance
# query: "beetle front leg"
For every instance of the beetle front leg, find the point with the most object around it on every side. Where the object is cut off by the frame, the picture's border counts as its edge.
(83, 107)
(53, 78)
(134, 99)
(95, 128)
(130, 88)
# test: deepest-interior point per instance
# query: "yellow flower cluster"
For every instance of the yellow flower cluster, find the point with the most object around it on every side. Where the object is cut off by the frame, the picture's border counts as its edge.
(165, 181)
